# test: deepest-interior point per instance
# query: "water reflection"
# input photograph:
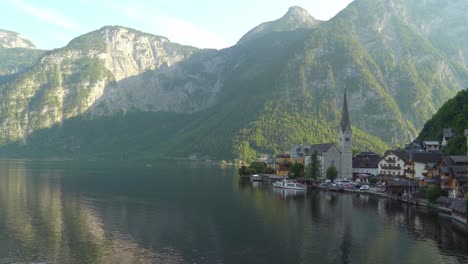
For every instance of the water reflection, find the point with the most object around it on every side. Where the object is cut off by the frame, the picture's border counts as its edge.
(50, 225)
(358, 228)
(286, 193)
(69, 213)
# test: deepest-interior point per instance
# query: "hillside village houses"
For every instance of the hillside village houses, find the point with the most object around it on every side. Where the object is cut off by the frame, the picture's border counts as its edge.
(419, 164)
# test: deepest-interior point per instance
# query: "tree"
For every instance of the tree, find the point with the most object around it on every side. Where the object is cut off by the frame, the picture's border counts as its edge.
(313, 168)
(332, 173)
(466, 204)
(433, 193)
(297, 170)
(373, 180)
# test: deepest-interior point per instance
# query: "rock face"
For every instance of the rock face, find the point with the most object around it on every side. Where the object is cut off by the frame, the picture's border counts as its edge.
(283, 76)
(10, 39)
(296, 18)
(111, 70)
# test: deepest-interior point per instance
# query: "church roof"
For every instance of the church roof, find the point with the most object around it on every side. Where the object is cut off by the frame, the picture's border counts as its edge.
(345, 124)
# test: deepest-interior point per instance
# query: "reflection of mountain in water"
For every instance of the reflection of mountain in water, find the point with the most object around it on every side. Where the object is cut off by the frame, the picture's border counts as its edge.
(54, 226)
(51, 213)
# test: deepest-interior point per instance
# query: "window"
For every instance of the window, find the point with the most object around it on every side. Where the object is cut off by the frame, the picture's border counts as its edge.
(347, 139)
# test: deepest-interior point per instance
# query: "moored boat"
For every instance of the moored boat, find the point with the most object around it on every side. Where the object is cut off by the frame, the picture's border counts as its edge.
(256, 177)
(285, 184)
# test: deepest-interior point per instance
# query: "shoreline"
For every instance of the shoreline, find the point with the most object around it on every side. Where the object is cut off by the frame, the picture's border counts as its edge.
(441, 211)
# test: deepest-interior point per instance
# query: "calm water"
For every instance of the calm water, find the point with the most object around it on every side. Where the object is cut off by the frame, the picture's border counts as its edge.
(69, 212)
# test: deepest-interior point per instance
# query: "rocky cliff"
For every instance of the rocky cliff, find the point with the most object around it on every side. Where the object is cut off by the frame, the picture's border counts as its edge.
(280, 85)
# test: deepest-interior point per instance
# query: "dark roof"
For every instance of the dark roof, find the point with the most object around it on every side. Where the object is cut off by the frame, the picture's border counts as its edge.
(366, 162)
(458, 205)
(459, 159)
(320, 147)
(444, 169)
(432, 180)
(345, 124)
(401, 154)
(462, 179)
(425, 157)
(307, 150)
(459, 169)
(402, 183)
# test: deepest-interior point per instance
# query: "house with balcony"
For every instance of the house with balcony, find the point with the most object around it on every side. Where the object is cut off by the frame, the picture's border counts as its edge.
(394, 164)
(453, 171)
(421, 162)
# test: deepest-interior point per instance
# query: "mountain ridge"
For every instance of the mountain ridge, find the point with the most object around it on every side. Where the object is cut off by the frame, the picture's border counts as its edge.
(271, 91)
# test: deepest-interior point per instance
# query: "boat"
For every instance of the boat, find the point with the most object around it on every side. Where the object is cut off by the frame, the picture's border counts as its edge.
(256, 177)
(285, 184)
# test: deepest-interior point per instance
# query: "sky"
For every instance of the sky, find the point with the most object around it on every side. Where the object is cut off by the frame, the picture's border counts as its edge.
(201, 23)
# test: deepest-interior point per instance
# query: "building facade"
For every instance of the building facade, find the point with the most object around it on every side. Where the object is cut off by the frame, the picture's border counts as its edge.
(421, 162)
(366, 163)
(328, 154)
(394, 164)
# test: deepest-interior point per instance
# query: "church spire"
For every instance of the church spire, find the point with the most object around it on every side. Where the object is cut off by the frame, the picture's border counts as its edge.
(345, 125)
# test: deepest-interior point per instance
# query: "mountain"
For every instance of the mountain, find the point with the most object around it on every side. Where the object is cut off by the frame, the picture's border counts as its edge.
(453, 114)
(10, 39)
(16, 54)
(281, 85)
(296, 18)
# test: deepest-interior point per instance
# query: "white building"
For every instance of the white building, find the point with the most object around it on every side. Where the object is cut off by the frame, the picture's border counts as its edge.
(394, 164)
(431, 145)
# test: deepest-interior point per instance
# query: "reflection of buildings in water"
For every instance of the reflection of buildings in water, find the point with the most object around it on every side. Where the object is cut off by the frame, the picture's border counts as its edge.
(286, 193)
(256, 184)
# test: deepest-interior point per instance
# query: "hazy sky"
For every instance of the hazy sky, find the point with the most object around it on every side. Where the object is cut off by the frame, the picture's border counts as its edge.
(201, 23)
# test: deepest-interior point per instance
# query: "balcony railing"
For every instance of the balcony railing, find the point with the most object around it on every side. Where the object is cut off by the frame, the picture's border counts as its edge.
(390, 167)
(390, 160)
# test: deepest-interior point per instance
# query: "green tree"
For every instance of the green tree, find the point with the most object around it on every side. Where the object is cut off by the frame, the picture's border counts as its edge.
(297, 170)
(268, 170)
(373, 180)
(313, 168)
(257, 166)
(433, 193)
(332, 173)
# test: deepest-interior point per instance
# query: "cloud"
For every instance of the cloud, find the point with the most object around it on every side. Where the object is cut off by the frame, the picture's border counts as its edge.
(175, 29)
(48, 15)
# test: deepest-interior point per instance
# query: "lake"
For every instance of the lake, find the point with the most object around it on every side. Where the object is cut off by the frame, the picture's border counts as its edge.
(176, 212)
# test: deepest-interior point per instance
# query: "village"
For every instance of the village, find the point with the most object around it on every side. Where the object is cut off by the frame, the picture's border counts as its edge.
(419, 174)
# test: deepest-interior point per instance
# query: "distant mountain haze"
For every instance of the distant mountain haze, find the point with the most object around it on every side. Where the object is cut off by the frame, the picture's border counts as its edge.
(281, 84)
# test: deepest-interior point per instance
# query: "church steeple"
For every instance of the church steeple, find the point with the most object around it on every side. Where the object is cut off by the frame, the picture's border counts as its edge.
(345, 125)
(345, 142)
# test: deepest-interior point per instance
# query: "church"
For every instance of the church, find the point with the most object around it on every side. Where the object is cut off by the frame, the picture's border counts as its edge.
(340, 156)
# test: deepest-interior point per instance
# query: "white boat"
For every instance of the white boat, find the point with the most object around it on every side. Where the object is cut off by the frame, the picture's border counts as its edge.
(256, 177)
(285, 184)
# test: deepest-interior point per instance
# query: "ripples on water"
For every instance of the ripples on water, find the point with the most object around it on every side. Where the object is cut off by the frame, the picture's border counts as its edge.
(68, 212)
